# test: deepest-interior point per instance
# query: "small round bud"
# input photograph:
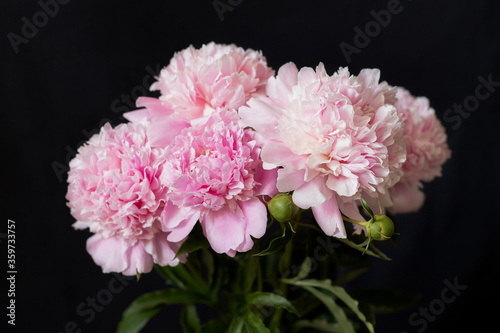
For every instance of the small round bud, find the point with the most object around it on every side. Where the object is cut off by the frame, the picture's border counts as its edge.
(381, 229)
(282, 207)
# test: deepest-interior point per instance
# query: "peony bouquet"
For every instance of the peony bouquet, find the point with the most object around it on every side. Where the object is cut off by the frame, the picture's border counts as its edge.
(256, 195)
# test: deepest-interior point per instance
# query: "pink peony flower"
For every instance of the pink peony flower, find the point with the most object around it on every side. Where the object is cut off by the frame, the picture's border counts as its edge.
(426, 149)
(197, 83)
(215, 175)
(337, 138)
(115, 191)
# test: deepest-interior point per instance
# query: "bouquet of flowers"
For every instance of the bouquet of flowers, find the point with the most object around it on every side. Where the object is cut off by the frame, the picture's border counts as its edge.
(254, 193)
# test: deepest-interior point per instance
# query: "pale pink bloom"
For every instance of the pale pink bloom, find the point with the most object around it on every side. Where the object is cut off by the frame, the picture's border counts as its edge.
(215, 175)
(162, 124)
(115, 191)
(199, 82)
(426, 150)
(337, 138)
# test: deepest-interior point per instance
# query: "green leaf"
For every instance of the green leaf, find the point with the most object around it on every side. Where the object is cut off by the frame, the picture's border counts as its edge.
(278, 243)
(368, 312)
(341, 294)
(136, 316)
(247, 322)
(189, 319)
(366, 207)
(214, 325)
(305, 269)
(236, 325)
(306, 304)
(372, 250)
(332, 306)
(180, 277)
(321, 325)
(254, 324)
(247, 272)
(272, 300)
(195, 241)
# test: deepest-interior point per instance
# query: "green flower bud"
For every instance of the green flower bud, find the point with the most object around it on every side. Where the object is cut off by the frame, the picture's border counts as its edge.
(282, 207)
(381, 229)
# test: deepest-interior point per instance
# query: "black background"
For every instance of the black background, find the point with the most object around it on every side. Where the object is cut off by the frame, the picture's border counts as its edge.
(62, 83)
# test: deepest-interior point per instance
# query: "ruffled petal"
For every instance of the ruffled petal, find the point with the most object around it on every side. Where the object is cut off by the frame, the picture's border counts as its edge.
(261, 116)
(280, 88)
(312, 193)
(139, 261)
(172, 215)
(342, 185)
(162, 250)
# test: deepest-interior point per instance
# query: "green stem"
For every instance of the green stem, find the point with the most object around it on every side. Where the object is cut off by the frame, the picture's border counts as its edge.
(364, 224)
(310, 226)
(195, 273)
(259, 275)
(276, 318)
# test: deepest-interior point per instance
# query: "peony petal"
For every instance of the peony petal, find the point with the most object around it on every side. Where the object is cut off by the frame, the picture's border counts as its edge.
(345, 186)
(183, 229)
(261, 116)
(109, 253)
(267, 180)
(173, 215)
(163, 251)
(406, 198)
(289, 181)
(164, 130)
(139, 261)
(280, 88)
(312, 193)
(137, 116)
(224, 229)
(329, 218)
(277, 153)
(154, 106)
(255, 213)
(350, 209)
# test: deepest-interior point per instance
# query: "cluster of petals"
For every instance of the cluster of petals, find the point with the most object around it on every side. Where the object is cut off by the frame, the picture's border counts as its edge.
(115, 191)
(199, 82)
(426, 149)
(335, 138)
(215, 175)
(224, 132)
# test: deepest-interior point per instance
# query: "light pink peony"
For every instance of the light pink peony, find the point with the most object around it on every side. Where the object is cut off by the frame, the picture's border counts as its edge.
(199, 82)
(426, 149)
(336, 138)
(115, 191)
(215, 175)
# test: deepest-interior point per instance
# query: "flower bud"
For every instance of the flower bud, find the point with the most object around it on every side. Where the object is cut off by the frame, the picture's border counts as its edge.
(282, 207)
(381, 229)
